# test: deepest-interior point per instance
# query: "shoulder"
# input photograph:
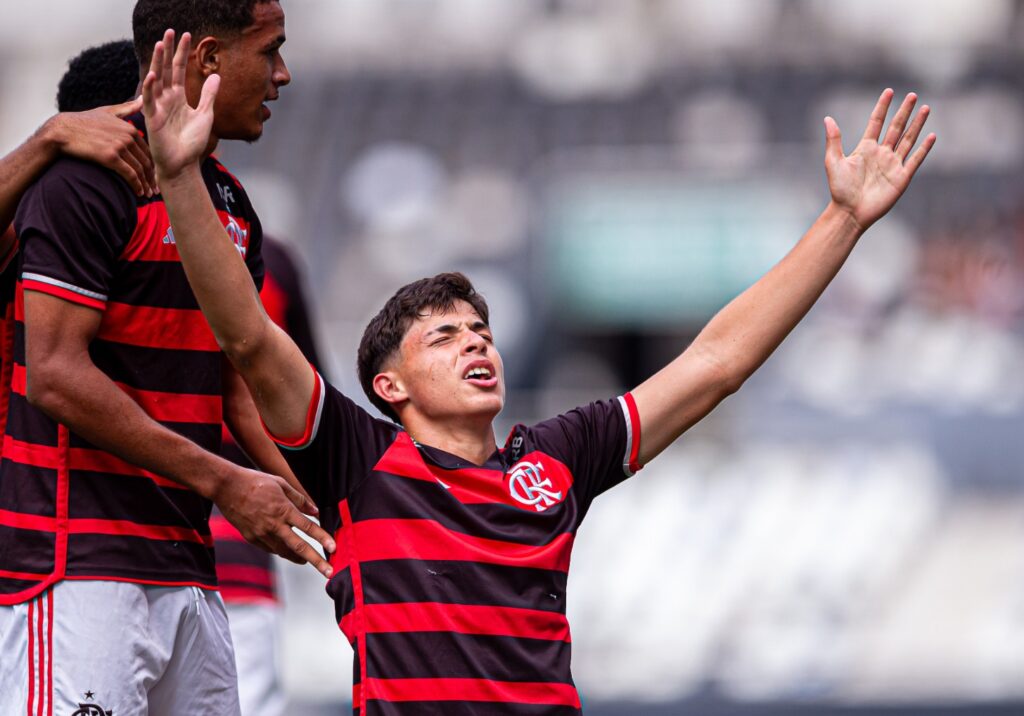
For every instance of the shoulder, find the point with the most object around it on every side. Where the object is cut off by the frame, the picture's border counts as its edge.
(78, 176)
(72, 190)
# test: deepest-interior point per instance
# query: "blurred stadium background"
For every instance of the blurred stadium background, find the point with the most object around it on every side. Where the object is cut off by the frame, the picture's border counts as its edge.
(846, 535)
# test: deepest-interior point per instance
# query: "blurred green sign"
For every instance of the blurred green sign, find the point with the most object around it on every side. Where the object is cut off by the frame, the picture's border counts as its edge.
(628, 253)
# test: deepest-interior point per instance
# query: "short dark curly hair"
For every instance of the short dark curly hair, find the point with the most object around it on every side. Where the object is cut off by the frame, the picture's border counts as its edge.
(383, 336)
(202, 18)
(99, 76)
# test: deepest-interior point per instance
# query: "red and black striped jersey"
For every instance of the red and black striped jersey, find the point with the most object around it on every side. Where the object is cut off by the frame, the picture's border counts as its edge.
(245, 572)
(450, 578)
(67, 509)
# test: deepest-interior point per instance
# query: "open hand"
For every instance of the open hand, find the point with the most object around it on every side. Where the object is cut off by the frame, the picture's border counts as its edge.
(103, 136)
(178, 135)
(868, 182)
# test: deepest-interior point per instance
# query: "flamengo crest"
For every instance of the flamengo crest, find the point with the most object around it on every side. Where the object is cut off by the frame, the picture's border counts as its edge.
(527, 484)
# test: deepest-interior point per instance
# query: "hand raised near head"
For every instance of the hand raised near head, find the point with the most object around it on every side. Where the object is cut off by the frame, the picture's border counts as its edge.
(178, 134)
(869, 181)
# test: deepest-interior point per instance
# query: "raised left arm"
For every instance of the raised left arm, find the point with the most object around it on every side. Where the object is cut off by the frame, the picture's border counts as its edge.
(734, 344)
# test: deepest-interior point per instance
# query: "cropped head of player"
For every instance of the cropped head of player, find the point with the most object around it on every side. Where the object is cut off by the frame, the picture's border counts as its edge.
(429, 354)
(240, 40)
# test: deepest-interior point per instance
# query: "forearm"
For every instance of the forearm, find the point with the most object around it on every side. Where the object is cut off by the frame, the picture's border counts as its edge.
(744, 333)
(21, 167)
(85, 400)
(218, 276)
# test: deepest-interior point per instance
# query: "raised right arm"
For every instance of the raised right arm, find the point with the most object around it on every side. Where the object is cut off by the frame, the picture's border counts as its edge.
(279, 377)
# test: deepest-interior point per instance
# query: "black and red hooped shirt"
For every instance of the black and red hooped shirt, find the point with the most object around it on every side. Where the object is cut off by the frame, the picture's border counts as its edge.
(67, 509)
(450, 578)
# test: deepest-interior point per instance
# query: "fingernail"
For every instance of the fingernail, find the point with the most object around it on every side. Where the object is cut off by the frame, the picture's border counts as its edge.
(328, 572)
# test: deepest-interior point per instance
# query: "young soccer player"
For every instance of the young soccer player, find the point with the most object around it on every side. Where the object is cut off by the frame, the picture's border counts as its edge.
(449, 577)
(117, 394)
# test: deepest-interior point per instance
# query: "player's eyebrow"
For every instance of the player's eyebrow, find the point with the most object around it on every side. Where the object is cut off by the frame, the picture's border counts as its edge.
(446, 328)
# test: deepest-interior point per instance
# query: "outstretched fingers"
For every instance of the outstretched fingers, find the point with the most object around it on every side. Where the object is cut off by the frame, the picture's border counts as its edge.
(180, 61)
(899, 121)
(909, 139)
(877, 120)
(918, 157)
(833, 142)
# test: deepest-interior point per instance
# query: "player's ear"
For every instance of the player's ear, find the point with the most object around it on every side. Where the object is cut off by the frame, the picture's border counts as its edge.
(207, 56)
(390, 388)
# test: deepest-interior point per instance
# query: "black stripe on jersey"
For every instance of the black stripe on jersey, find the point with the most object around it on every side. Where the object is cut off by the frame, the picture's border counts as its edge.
(339, 588)
(243, 554)
(158, 369)
(447, 655)
(27, 550)
(27, 489)
(98, 495)
(464, 708)
(477, 583)
(155, 284)
(415, 499)
(28, 425)
(139, 558)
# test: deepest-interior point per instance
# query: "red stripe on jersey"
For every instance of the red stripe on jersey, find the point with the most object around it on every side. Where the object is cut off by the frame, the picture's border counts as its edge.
(478, 485)
(221, 529)
(86, 459)
(463, 619)
(233, 594)
(429, 540)
(126, 528)
(153, 239)
(634, 420)
(514, 692)
(255, 576)
(62, 293)
(121, 528)
(275, 300)
(171, 407)
(166, 328)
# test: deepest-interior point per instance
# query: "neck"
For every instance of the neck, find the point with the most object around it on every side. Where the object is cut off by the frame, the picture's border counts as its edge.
(472, 442)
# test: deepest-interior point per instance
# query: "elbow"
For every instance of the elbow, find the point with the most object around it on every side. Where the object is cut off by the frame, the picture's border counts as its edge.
(241, 349)
(44, 390)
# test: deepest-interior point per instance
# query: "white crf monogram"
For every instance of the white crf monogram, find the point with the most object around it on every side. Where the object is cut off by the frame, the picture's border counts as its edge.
(527, 485)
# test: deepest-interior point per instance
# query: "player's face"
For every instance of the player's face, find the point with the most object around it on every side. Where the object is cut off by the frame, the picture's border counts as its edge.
(252, 70)
(449, 366)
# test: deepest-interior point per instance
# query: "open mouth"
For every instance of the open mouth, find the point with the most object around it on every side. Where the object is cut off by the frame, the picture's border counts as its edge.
(481, 374)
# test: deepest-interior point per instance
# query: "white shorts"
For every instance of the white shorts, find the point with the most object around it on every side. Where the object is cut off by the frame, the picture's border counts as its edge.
(97, 648)
(254, 631)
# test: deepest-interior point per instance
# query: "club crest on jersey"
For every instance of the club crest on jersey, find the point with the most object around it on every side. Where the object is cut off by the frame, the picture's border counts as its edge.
(528, 485)
(91, 710)
(238, 235)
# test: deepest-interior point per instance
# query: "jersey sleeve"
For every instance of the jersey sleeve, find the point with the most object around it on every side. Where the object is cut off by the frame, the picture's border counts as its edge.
(72, 225)
(338, 449)
(599, 443)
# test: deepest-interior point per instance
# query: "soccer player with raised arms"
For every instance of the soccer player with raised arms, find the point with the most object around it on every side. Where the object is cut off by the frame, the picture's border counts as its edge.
(452, 553)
